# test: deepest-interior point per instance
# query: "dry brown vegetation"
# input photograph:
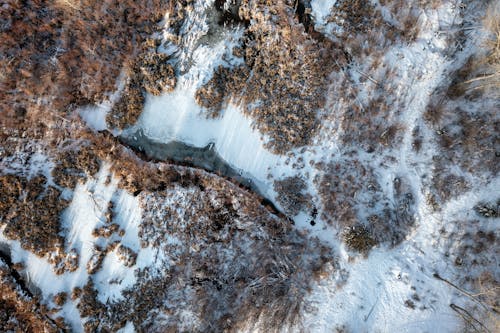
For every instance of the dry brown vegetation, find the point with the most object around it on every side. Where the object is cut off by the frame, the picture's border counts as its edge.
(56, 54)
(224, 82)
(234, 271)
(353, 201)
(19, 311)
(368, 113)
(479, 76)
(488, 80)
(467, 139)
(74, 165)
(488, 288)
(292, 194)
(363, 32)
(266, 279)
(211, 227)
(149, 73)
(30, 212)
(225, 296)
(463, 114)
(491, 209)
(472, 247)
(358, 238)
(372, 123)
(338, 187)
(289, 78)
(270, 265)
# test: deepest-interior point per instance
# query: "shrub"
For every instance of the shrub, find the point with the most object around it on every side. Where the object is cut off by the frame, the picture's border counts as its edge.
(292, 194)
(358, 238)
(489, 66)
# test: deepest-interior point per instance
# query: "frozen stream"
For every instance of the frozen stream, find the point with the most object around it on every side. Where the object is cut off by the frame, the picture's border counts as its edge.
(205, 157)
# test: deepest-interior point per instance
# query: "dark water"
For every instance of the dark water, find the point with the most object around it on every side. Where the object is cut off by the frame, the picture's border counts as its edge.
(175, 151)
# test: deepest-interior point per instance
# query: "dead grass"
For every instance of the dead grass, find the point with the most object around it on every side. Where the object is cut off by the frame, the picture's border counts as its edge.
(338, 188)
(474, 248)
(352, 200)
(74, 166)
(224, 84)
(149, 72)
(489, 293)
(285, 76)
(267, 278)
(449, 186)
(358, 238)
(19, 312)
(488, 66)
(66, 52)
(365, 32)
(371, 127)
(20, 309)
(434, 113)
(30, 213)
(489, 210)
(292, 195)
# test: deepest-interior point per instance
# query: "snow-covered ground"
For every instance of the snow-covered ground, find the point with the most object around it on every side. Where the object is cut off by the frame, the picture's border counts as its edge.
(86, 212)
(373, 298)
(393, 289)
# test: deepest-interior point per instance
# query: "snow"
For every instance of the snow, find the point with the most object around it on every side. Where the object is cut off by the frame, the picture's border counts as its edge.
(385, 279)
(112, 279)
(128, 217)
(362, 294)
(373, 298)
(79, 219)
(378, 286)
(40, 274)
(114, 276)
(86, 212)
(321, 9)
(128, 328)
(176, 116)
(95, 116)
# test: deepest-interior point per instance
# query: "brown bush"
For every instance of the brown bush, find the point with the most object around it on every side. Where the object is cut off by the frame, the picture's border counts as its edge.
(359, 239)
(292, 194)
(149, 73)
(20, 312)
(221, 86)
(288, 82)
(338, 187)
(489, 65)
(68, 53)
(73, 166)
(34, 222)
